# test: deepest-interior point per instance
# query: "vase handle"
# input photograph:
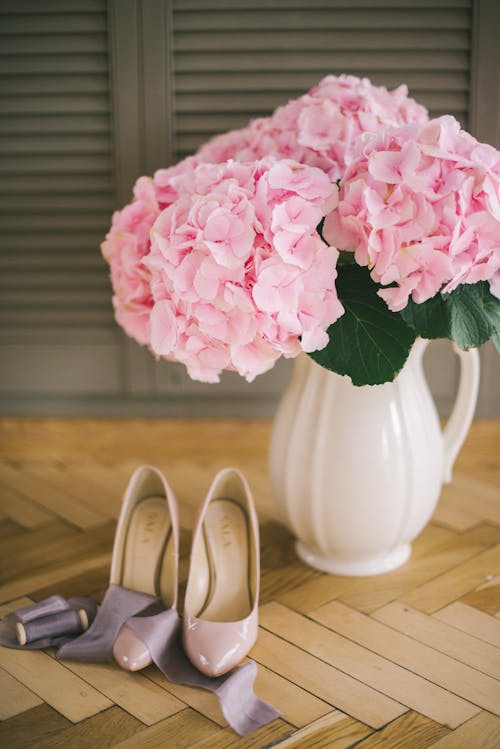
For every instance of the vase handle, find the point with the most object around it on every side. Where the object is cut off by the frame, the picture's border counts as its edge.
(460, 418)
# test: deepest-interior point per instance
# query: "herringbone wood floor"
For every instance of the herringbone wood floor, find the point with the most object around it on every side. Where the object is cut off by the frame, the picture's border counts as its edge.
(409, 659)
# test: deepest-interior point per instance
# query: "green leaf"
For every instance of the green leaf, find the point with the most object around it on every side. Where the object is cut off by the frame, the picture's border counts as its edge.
(429, 319)
(346, 258)
(469, 315)
(369, 342)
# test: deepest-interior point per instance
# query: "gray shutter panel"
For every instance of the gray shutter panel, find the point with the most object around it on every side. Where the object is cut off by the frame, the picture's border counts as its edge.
(235, 60)
(57, 334)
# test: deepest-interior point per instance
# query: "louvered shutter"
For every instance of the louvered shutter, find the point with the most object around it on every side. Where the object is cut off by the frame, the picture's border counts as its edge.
(235, 59)
(57, 183)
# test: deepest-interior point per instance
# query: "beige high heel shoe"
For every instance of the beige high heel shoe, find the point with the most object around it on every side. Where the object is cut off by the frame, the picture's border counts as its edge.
(145, 553)
(220, 610)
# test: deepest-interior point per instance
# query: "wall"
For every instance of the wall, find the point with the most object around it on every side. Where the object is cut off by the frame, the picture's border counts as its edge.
(94, 93)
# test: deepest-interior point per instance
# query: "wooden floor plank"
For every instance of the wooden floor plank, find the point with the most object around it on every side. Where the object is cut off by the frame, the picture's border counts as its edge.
(203, 702)
(28, 729)
(411, 730)
(481, 732)
(10, 529)
(371, 593)
(333, 731)
(470, 492)
(450, 516)
(81, 488)
(16, 698)
(54, 683)
(67, 558)
(459, 679)
(486, 600)
(287, 578)
(16, 603)
(181, 731)
(21, 509)
(78, 583)
(49, 497)
(441, 636)
(52, 576)
(56, 498)
(472, 621)
(368, 667)
(324, 681)
(452, 584)
(297, 706)
(132, 692)
(103, 730)
(266, 736)
(34, 547)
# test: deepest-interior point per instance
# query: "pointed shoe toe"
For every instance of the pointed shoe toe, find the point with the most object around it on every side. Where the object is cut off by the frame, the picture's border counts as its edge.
(130, 652)
(215, 648)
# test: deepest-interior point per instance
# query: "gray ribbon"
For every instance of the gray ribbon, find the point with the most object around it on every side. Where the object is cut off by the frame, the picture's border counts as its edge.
(243, 710)
(118, 605)
(47, 623)
(160, 631)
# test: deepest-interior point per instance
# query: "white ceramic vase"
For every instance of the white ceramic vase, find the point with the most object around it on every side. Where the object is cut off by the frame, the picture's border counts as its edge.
(357, 471)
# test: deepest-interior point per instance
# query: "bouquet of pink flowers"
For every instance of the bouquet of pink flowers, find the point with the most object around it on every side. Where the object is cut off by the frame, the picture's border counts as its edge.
(344, 225)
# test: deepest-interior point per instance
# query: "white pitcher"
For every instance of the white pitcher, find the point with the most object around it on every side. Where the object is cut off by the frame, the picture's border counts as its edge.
(357, 471)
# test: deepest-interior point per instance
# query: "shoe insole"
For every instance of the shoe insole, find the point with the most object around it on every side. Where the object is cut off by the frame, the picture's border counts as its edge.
(226, 537)
(146, 566)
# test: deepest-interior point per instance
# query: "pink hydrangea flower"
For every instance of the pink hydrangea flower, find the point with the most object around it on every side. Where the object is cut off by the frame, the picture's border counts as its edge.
(239, 274)
(128, 242)
(420, 208)
(321, 128)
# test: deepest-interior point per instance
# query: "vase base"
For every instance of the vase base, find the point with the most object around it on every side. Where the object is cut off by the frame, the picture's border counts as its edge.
(354, 567)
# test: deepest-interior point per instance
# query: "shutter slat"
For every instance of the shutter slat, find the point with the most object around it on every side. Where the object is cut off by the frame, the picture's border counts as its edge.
(50, 281)
(334, 5)
(21, 184)
(264, 103)
(55, 144)
(53, 44)
(329, 61)
(16, 224)
(76, 204)
(55, 23)
(27, 7)
(60, 164)
(47, 64)
(304, 20)
(53, 240)
(54, 298)
(49, 319)
(54, 84)
(57, 125)
(42, 104)
(237, 81)
(54, 261)
(359, 40)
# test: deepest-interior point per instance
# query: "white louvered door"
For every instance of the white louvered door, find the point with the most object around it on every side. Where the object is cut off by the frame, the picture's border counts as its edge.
(94, 93)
